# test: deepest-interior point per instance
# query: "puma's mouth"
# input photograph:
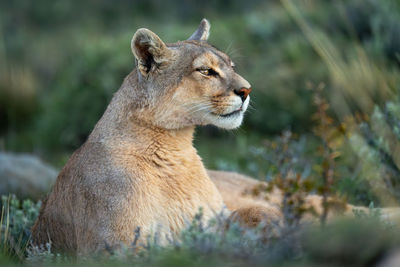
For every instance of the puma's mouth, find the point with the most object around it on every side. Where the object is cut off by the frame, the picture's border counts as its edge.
(231, 119)
(235, 112)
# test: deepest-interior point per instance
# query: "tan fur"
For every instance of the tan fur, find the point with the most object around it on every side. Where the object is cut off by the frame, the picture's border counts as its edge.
(250, 209)
(138, 168)
(237, 193)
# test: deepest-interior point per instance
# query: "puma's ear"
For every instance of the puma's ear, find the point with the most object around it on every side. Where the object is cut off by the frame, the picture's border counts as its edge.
(202, 32)
(149, 50)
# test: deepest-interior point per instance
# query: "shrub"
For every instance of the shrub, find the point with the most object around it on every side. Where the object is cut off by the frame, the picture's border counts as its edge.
(376, 141)
(17, 218)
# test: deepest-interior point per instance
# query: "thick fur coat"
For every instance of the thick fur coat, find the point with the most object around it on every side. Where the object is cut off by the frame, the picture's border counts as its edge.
(138, 167)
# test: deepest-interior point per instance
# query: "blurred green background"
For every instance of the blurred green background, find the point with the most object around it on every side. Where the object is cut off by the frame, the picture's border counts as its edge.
(61, 62)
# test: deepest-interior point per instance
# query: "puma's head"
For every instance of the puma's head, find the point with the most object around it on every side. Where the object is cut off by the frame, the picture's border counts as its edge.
(188, 83)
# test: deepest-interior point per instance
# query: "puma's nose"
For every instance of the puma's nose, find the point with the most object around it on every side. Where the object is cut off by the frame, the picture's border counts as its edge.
(243, 93)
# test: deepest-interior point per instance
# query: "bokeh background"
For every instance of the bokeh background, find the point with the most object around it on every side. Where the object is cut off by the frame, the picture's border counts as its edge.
(325, 77)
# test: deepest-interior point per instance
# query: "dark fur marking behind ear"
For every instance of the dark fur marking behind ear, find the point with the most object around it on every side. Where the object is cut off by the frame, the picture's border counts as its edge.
(149, 50)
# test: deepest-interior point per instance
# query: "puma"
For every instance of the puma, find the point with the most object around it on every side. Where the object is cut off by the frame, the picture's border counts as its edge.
(138, 167)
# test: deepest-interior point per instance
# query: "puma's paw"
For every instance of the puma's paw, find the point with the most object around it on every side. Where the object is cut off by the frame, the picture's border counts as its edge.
(267, 218)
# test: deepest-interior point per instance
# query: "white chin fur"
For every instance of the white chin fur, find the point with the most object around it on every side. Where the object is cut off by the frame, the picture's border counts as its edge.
(230, 122)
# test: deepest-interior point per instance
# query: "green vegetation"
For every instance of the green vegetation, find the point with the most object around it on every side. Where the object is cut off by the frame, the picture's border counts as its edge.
(215, 244)
(325, 115)
(17, 217)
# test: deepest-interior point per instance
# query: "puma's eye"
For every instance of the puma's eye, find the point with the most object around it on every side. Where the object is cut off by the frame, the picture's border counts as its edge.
(207, 72)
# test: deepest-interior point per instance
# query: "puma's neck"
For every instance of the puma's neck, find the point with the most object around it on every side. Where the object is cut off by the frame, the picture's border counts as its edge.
(147, 139)
(125, 123)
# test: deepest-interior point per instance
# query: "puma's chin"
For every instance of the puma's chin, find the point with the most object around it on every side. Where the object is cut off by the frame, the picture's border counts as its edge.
(231, 120)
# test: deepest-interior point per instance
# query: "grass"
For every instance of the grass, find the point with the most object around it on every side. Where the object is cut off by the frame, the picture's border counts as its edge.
(17, 217)
(366, 239)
